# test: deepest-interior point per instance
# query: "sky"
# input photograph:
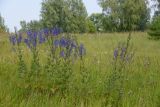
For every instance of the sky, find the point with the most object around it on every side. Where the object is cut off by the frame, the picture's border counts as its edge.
(14, 11)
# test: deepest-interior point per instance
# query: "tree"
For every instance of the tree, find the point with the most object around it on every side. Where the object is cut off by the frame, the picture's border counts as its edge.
(108, 24)
(34, 25)
(2, 24)
(154, 31)
(23, 25)
(91, 28)
(96, 18)
(155, 28)
(157, 6)
(126, 14)
(70, 15)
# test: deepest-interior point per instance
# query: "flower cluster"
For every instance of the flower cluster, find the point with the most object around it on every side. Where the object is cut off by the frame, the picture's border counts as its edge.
(122, 53)
(66, 45)
(15, 39)
(69, 46)
(63, 50)
(33, 38)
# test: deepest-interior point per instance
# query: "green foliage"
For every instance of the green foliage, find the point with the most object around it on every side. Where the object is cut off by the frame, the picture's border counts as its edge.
(140, 83)
(126, 14)
(70, 15)
(156, 5)
(2, 25)
(33, 25)
(155, 28)
(90, 26)
(108, 24)
(96, 18)
(23, 25)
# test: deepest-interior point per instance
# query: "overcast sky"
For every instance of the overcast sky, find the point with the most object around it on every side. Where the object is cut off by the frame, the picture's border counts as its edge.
(16, 10)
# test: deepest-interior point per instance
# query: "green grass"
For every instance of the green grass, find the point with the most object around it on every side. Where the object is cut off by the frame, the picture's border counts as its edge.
(141, 82)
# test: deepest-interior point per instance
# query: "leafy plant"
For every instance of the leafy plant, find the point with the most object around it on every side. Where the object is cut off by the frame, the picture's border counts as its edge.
(154, 32)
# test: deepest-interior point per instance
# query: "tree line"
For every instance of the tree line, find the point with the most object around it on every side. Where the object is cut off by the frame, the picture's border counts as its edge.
(3, 27)
(71, 16)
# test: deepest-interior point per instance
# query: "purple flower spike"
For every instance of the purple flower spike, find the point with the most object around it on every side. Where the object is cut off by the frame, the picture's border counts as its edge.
(123, 50)
(19, 39)
(29, 33)
(62, 54)
(55, 31)
(13, 40)
(82, 50)
(34, 43)
(34, 35)
(46, 31)
(115, 53)
(63, 42)
(56, 43)
(41, 38)
(27, 42)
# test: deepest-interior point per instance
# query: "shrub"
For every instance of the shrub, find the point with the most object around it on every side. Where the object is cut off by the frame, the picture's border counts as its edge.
(56, 72)
(155, 28)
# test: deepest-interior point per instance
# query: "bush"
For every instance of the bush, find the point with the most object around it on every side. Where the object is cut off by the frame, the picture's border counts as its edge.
(154, 31)
(91, 27)
(56, 71)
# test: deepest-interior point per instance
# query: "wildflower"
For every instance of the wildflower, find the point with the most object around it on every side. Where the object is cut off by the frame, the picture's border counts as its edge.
(55, 31)
(34, 43)
(46, 31)
(82, 50)
(26, 41)
(116, 53)
(15, 40)
(29, 33)
(123, 51)
(19, 39)
(34, 37)
(63, 42)
(41, 38)
(56, 43)
(62, 53)
(12, 40)
(72, 47)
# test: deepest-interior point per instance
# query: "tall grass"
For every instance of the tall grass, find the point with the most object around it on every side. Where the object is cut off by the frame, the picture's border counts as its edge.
(93, 81)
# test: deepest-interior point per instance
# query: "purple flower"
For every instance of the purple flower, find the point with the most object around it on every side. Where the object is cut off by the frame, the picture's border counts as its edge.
(56, 43)
(82, 50)
(62, 53)
(15, 40)
(34, 43)
(12, 40)
(41, 38)
(32, 39)
(46, 31)
(19, 39)
(34, 35)
(27, 42)
(63, 42)
(123, 51)
(116, 53)
(55, 31)
(29, 33)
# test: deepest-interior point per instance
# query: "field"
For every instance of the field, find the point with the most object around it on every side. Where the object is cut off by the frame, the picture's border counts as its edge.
(137, 83)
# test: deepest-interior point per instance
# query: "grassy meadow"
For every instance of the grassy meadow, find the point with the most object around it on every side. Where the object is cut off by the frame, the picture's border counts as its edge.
(140, 77)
